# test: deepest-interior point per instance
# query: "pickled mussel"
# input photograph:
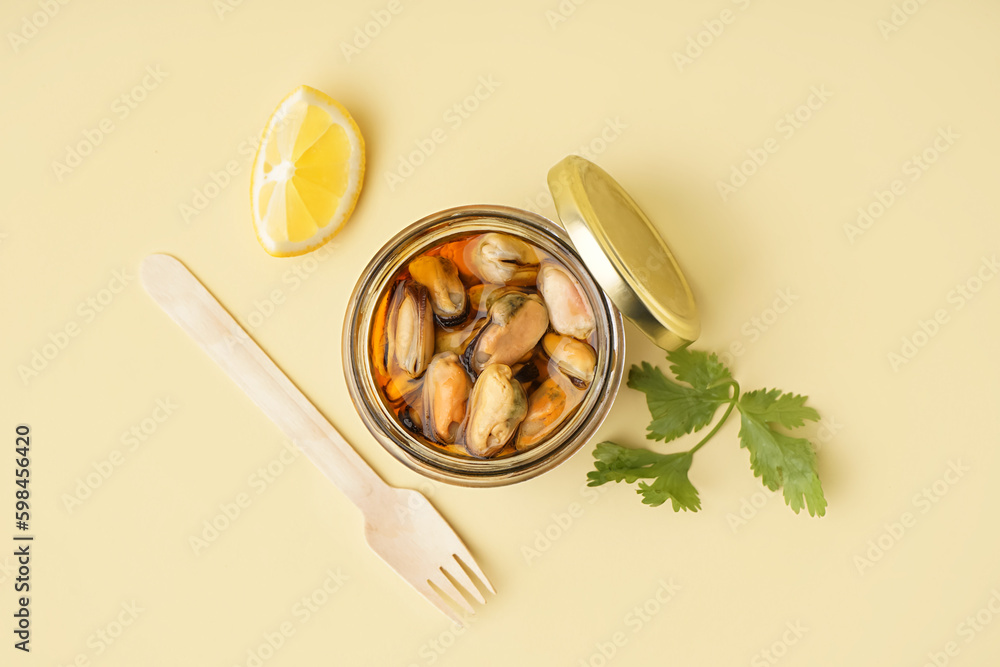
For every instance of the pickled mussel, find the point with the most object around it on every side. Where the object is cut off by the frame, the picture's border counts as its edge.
(516, 323)
(453, 341)
(440, 276)
(504, 260)
(496, 408)
(482, 297)
(445, 394)
(573, 357)
(410, 330)
(569, 309)
(548, 406)
(484, 346)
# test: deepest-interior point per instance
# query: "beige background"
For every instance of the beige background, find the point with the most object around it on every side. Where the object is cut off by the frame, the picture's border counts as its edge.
(676, 132)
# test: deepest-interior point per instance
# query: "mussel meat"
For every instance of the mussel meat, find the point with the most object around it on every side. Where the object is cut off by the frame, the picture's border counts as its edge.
(401, 386)
(412, 419)
(446, 392)
(496, 408)
(548, 407)
(440, 276)
(503, 259)
(453, 341)
(410, 332)
(573, 357)
(516, 323)
(569, 310)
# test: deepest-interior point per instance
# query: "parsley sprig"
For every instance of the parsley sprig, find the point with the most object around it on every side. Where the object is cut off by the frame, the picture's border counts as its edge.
(702, 384)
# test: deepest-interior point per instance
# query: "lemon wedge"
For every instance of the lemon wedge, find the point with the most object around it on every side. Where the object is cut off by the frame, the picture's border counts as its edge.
(307, 174)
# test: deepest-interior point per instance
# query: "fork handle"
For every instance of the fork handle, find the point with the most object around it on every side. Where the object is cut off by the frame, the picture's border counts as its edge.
(198, 313)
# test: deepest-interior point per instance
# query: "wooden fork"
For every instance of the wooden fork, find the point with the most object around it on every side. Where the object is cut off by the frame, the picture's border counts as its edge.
(401, 525)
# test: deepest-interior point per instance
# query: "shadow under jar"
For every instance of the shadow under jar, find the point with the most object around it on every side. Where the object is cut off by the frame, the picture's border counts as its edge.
(390, 398)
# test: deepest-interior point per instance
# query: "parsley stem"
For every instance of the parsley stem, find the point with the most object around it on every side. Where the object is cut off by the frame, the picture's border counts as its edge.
(715, 429)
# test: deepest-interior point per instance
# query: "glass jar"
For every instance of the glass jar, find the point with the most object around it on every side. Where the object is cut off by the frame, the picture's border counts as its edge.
(569, 182)
(431, 461)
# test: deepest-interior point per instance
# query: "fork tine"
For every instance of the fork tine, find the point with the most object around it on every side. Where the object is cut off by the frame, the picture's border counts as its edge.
(458, 573)
(466, 560)
(447, 586)
(435, 599)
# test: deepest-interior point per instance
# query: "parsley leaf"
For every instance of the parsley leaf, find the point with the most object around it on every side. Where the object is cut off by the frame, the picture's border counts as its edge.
(699, 369)
(781, 461)
(687, 404)
(676, 409)
(789, 410)
(669, 473)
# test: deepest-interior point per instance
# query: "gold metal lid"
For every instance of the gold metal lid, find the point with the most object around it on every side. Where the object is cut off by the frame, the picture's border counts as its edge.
(623, 251)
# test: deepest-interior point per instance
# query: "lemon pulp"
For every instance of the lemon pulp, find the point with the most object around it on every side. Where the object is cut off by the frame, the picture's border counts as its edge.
(307, 174)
